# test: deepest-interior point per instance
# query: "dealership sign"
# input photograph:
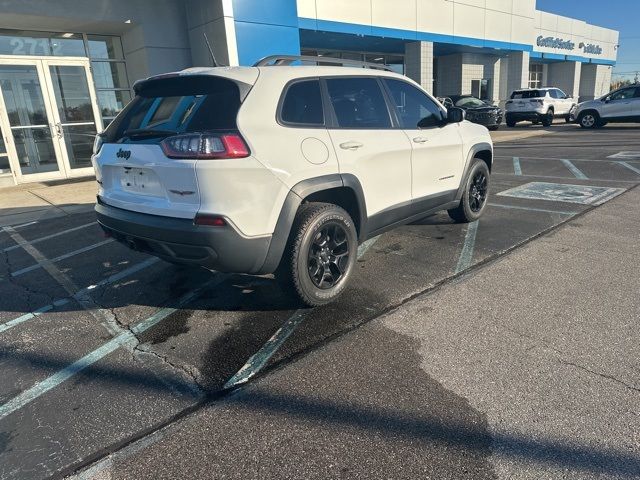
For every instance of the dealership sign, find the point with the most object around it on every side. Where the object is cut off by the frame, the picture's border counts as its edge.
(559, 43)
(590, 48)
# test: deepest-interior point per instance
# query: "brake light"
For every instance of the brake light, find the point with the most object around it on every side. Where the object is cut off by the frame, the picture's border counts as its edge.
(205, 146)
(539, 101)
(209, 220)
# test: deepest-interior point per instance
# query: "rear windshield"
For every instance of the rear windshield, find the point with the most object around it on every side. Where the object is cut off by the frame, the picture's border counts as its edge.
(527, 94)
(168, 106)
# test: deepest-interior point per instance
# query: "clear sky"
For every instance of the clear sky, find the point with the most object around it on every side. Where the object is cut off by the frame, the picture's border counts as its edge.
(621, 15)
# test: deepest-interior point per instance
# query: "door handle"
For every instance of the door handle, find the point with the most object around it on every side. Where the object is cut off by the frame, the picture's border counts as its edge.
(351, 145)
(420, 140)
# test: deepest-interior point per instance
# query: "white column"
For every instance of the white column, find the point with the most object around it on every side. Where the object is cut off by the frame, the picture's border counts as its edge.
(418, 63)
(595, 81)
(565, 76)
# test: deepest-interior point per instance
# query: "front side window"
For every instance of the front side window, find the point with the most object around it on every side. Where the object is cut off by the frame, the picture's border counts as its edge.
(358, 103)
(303, 104)
(413, 106)
(624, 94)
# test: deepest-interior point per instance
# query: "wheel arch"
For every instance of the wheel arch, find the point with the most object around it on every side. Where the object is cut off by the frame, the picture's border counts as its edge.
(343, 190)
(483, 151)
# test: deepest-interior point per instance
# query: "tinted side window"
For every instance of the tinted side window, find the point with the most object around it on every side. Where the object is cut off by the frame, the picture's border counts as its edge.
(358, 103)
(637, 92)
(624, 94)
(413, 106)
(303, 104)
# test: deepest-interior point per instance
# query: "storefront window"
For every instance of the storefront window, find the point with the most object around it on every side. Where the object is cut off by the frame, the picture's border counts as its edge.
(105, 47)
(535, 75)
(23, 42)
(109, 74)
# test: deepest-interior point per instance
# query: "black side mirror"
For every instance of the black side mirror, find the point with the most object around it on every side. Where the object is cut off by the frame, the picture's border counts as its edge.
(455, 115)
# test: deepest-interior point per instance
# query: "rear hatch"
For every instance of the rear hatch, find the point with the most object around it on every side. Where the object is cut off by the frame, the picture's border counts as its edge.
(146, 158)
(525, 100)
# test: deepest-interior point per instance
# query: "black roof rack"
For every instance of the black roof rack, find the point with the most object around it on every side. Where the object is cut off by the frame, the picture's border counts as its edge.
(279, 60)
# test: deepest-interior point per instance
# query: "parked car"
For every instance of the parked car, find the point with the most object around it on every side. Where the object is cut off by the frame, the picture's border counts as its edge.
(283, 169)
(477, 111)
(538, 105)
(622, 105)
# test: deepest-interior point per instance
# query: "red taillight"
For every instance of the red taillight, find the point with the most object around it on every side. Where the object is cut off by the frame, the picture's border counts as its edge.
(209, 220)
(204, 146)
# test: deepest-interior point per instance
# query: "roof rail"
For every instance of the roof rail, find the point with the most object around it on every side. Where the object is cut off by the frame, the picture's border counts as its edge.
(279, 60)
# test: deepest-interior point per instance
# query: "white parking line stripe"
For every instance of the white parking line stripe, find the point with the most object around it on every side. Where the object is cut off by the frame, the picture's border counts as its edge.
(126, 338)
(258, 360)
(53, 235)
(516, 166)
(109, 280)
(25, 224)
(22, 271)
(466, 255)
(630, 167)
(544, 210)
(573, 169)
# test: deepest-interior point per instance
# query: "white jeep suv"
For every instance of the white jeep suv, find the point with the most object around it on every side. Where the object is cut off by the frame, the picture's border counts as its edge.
(538, 105)
(622, 105)
(283, 169)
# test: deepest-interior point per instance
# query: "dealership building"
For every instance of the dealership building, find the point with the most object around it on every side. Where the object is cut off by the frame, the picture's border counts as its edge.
(67, 67)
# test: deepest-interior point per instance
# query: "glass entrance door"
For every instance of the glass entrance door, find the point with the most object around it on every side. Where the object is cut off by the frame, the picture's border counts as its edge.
(49, 111)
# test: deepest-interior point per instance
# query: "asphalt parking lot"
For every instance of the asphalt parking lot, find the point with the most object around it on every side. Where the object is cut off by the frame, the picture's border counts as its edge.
(99, 345)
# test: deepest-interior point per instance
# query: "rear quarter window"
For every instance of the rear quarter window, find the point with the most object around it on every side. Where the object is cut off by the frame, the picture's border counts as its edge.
(302, 104)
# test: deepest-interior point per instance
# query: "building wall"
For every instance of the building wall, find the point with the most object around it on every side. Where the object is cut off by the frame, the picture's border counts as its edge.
(595, 81)
(477, 67)
(566, 76)
(155, 39)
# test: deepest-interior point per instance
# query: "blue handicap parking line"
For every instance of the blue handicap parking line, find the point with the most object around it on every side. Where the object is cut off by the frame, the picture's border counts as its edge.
(559, 192)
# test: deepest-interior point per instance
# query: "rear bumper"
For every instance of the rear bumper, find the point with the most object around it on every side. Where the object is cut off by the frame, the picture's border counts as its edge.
(524, 116)
(178, 240)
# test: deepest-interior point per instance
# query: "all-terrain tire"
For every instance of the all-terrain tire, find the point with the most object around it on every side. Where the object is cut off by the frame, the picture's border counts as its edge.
(317, 224)
(472, 207)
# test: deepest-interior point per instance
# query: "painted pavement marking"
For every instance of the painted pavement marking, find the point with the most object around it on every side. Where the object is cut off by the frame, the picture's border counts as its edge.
(626, 155)
(88, 248)
(107, 281)
(531, 209)
(574, 170)
(466, 255)
(560, 192)
(127, 338)
(259, 359)
(517, 169)
(48, 237)
(630, 167)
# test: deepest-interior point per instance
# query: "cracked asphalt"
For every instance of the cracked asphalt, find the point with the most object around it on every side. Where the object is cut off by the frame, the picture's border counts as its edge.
(525, 366)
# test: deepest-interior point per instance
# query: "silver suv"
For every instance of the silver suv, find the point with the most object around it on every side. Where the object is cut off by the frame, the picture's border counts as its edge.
(622, 105)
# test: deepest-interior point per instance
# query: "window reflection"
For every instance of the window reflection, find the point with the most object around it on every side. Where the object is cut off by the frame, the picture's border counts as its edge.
(72, 94)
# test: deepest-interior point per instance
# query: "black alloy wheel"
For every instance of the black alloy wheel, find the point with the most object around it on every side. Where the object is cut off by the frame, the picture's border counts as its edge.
(478, 191)
(475, 195)
(328, 257)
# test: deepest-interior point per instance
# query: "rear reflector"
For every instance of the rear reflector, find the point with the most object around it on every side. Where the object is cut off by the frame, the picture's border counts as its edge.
(205, 146)
(209, 220)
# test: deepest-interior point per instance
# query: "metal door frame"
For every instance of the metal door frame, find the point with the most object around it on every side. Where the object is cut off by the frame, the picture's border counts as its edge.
(42, 64)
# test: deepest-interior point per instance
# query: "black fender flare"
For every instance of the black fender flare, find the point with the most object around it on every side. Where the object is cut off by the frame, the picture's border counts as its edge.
(292, 202)
(477, 148)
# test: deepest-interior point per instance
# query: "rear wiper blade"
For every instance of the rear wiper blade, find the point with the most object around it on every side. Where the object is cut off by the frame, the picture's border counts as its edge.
(146, 132)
